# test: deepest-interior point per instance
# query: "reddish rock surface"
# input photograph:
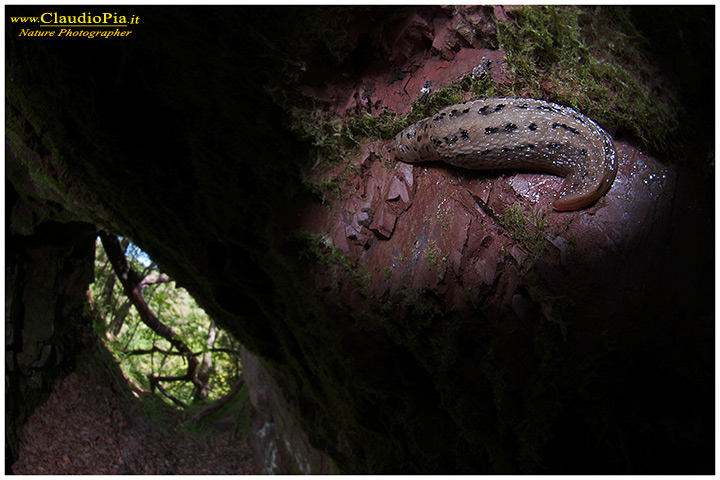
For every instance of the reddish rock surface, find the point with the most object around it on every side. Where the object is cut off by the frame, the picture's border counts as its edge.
(430, 49)
(439, 230)
(436, 226)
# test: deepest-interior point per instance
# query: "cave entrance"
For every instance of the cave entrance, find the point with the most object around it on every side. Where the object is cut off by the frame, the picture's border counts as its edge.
(163, 341)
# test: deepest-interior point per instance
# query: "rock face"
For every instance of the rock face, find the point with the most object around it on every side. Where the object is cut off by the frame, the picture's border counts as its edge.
(48, 268)
(279, 439)
(431, 320)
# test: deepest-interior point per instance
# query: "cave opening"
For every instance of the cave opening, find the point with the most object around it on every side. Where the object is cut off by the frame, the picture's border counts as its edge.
(150, 361)
(142, 398)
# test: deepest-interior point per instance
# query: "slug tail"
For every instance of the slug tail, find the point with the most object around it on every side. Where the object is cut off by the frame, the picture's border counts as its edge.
(576, 192)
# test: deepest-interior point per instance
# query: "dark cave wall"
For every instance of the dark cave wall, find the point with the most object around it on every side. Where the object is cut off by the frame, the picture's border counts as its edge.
(169, 136)
(163, 137)
(47, 274)
(168, 140)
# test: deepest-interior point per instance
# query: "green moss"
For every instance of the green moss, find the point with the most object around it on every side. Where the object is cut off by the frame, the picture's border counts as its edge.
(436, 258)
(331, 144)
(527, 229)
(384, 126)
(530, 231)
(592, 59)
(321, 249)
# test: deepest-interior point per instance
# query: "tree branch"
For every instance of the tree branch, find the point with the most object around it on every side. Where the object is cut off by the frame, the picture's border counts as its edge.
(132, 286)
(145, 351)
(174, 399)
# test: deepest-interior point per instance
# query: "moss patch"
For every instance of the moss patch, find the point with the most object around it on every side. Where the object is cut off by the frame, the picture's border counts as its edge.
(527, 229)
(590, 58)
(594, 60)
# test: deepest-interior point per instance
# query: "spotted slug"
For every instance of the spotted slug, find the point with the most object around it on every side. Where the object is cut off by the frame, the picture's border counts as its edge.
(517, 133)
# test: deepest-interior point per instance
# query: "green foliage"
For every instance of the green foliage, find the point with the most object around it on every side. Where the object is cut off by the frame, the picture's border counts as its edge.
(174, 307)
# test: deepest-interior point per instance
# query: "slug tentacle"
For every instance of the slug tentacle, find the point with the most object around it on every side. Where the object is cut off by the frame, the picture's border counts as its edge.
(517, 133)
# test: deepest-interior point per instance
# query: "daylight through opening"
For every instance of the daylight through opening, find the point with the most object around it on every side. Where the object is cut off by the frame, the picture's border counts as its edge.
(169, 346)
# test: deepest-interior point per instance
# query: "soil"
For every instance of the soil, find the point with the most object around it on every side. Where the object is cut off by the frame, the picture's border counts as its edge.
(86, 429)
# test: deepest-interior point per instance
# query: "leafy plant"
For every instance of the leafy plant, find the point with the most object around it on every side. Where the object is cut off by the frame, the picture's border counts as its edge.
(140, 351)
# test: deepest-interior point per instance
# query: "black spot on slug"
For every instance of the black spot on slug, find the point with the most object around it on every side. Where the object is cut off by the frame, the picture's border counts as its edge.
(489, 130)
(499, 107)
(510, 127)
(484, 152)
(464, 134)
(548, 107)
(483, 110)
(569, 129)
(553, 145)
(532, 126)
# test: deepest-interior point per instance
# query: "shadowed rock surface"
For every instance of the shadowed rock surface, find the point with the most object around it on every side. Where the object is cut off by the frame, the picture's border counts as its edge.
(429, 319)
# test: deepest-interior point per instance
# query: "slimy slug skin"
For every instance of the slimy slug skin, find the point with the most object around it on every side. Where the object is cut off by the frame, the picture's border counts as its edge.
(517, 133)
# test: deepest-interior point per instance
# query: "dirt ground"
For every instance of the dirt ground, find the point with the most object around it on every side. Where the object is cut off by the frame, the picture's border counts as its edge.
(85, 429)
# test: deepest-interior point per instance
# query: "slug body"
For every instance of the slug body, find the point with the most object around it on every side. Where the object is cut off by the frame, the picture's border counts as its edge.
(517, 133)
